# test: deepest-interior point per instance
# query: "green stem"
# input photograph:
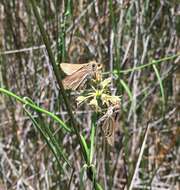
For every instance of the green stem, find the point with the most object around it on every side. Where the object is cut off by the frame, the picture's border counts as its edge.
(35, 107)
(57, 74)
(151, 63)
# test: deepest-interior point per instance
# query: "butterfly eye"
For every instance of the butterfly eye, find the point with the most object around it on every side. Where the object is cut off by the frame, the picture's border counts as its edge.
(94, 66)
(99, 66)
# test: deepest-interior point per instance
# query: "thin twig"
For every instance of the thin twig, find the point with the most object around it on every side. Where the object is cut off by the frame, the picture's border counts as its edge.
(139, 157)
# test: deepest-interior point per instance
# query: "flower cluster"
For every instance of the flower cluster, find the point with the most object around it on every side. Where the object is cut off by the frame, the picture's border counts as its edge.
(99, 96)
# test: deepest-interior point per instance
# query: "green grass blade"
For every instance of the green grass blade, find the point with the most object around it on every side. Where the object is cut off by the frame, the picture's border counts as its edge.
(126, 89)
(160, 84)
(29, 103)
(152, 62)
(46, 138)
(112, 14)
(82, 171)
(85, 148)
(91, 152)
(98, 186)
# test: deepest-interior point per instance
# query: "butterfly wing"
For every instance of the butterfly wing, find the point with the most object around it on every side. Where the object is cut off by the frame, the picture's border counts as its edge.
(69, 68)
(108, 128)
(77, 78)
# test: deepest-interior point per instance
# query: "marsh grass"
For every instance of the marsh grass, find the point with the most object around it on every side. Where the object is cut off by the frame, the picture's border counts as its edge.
(46, 140)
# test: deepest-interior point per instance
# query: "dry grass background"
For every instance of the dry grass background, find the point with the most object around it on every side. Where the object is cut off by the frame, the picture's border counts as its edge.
(121, 34)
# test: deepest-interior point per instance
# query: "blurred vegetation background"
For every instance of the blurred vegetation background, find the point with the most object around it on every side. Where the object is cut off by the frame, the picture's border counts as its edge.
(138, 43)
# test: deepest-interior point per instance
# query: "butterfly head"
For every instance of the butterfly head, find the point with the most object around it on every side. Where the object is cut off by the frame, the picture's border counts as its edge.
(96, 66)
(96, 70)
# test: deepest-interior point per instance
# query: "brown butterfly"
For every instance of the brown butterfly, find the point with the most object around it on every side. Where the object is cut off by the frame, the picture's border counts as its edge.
(79, 74)
(109, 122)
